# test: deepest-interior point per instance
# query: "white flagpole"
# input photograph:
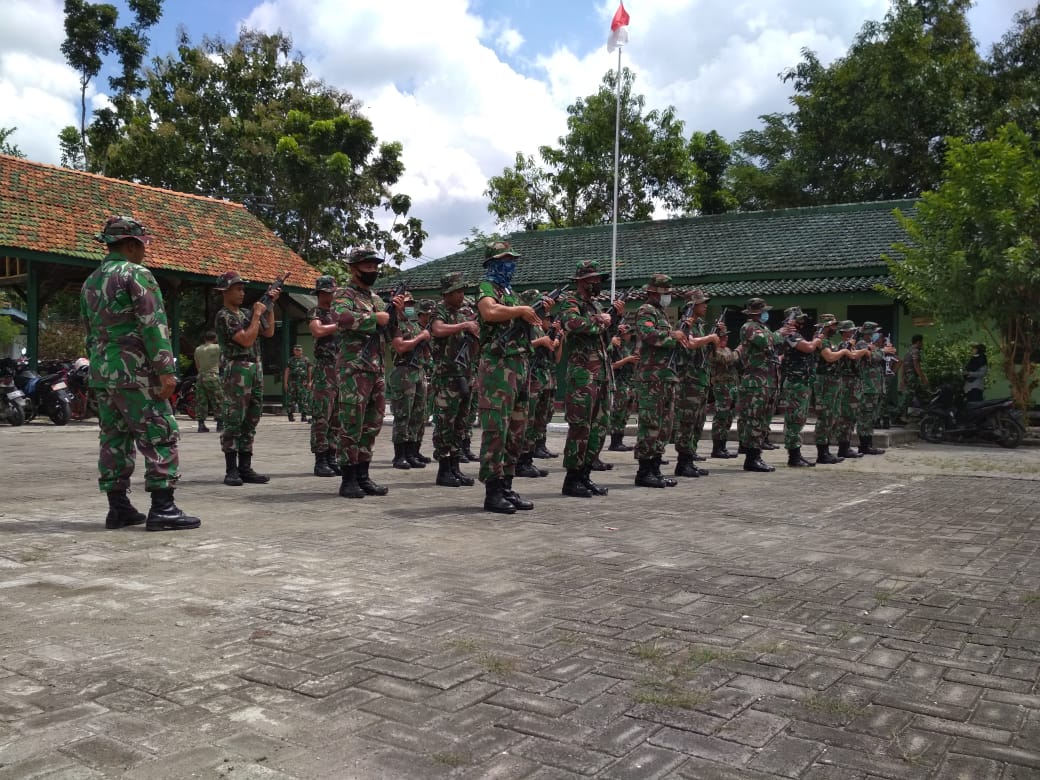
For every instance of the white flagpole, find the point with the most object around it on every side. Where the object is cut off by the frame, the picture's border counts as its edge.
(617, 147)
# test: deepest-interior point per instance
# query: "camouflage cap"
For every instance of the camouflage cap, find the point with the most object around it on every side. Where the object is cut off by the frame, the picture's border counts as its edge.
(498, 250)
(453, 281)
(756, 306)
(659, 283)
(426, 306)
(297, 346)
(363, 254)
(228, 279)
(325, 284)
(869, 327)
(529, 297)
(795, 313)
(845, 325)
(827, 319)
(696, 296)
(587, 269)
(118, 228)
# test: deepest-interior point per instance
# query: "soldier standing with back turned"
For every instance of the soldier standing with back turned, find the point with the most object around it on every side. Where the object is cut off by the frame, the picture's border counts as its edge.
(209, 395)
(798, 371)
(758, 386)
(132, 375)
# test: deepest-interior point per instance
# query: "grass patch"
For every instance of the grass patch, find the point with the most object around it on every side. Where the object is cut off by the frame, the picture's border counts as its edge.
(909, 756)
(831, 705)
(769, 649)
(463, 645)
(882, 597)
(1031, 599)
(705, 655)
(449, 758)
(496, 664)
(649, 651)
(668, 693)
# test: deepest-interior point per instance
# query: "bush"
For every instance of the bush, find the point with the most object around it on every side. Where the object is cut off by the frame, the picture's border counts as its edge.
(62, 341)
(944, 357)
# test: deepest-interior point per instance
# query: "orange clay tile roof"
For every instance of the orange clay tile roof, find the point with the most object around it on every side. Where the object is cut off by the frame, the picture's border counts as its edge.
(57, 211)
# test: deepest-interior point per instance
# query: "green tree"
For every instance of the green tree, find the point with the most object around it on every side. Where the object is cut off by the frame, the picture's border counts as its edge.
(573, 183)
(245, 121)
(974, 249)
(711, 156)
(872, 125)
(6, 147)
(1014, 70)
(91, 34)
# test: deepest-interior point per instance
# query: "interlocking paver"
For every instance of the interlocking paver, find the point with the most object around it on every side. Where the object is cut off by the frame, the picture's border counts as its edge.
(873, 620)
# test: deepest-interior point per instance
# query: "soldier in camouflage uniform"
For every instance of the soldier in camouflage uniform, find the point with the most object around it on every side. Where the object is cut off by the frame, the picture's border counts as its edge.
(724, 383)
(759, 384)
(325, 429)
(456, 348)
(239, 336)
(655, 381)
(849, 371)
(425, 313)
(624, 355)
(469, 307)
(828, 389)
(406, 388)
(798, 370)
(132, 376)
(871, 385)
(691, 402)
(588, 328)
(296, 382)
(502, 379)
(546, 342)
(913, 381)
(362, 386)
(209, 394)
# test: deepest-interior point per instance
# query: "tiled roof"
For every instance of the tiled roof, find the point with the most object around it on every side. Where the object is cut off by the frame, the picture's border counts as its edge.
(57, 211)
(815, 245)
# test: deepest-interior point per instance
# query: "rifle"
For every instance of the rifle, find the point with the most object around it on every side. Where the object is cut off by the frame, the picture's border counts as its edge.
(615, 315)
(276, 286)
(518, 325)
(466, 343)
(673, 359)
(385, 331)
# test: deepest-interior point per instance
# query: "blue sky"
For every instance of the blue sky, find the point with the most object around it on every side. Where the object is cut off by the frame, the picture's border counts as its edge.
(466, 84)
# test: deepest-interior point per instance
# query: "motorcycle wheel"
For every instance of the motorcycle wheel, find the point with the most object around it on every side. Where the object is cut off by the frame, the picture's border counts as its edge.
(932, 429)
(15, 416)
(61, 413)
(1007, 432)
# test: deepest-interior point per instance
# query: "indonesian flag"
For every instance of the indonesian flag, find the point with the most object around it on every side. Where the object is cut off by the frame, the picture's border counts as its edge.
(618, 29)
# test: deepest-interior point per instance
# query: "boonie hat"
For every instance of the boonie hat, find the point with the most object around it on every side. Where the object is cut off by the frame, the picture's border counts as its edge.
(587, 269)
(325, 284)
(498, 250)
(228, 279)
(659, 283)
(453, 281)
(118, 228)
(756, 306)
(363, 254)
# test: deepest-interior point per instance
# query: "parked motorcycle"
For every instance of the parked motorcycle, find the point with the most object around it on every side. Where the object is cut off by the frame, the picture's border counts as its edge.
(13, 402)
(47, 395)
(183, 399)
(948, 417)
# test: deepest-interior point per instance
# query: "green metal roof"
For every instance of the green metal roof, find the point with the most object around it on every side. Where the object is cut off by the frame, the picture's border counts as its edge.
(820, 249)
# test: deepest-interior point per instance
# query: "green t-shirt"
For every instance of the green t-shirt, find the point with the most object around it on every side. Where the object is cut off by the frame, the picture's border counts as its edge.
(207, 359)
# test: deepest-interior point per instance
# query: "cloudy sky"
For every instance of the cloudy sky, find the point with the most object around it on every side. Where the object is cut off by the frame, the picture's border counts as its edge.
(465, 84)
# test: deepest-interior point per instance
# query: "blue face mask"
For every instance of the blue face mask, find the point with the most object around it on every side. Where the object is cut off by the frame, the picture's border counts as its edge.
(875, 337)
(409, 312)
(764, 318)
(501, 272)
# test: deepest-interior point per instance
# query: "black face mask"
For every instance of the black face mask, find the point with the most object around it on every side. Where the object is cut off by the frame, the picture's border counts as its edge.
(595, 288)
(368, 278)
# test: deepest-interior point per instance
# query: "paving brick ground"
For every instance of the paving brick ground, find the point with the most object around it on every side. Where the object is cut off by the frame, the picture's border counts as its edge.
(877, 619)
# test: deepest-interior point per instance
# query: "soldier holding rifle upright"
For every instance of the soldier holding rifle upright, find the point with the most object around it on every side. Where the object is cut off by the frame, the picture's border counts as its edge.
(407, 387)
(797, 373)
(325, 431)
(691, 403)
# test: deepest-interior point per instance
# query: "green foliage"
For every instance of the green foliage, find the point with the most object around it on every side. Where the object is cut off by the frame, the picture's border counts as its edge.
(974, 249)
(9, 330)
(62, 339)
(478, 239)
(944, 355)
(6, 147)
(245, 121)
(711, 155)
(1014, 71)
(573, 184)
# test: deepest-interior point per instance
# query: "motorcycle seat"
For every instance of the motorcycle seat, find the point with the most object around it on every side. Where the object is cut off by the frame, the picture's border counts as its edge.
(975, 405)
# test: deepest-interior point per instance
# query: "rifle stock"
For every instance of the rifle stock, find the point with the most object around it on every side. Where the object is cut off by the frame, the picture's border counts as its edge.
(518, 325)
(276, 286)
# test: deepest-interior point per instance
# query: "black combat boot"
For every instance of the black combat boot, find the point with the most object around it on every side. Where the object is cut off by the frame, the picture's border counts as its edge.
(617, 442)
(698, 458)
(462, 478)
(824, 457)
(795, 459)
(411, 454)
(303, 417)
(467, 453)
(596, 490)
(366, 483)
(220, 424)
(541, 451)
(333, 460)
(768, 445)
(165, 516)
(866, 446)
(701, 472)
(646, 477)
(202, 427)
(753, 461)
(598, 465)
(445, 475)
(321, 465)
(574, 486)
(419, 456)
(245, 470)
(845, 450)
(668, 481)
(400, 461)
(741, 449)
(291, 417)
(684, 466)
(231, 474)
(494, 501)
(121, 512)
(348, 484)
(718, 449)
(525, 467)
(513, 497)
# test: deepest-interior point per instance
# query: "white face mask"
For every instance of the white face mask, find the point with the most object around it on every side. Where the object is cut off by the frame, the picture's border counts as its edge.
(666, 300)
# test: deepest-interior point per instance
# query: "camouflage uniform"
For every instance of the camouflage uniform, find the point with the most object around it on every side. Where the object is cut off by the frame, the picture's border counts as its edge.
(871, 388)
(297, 393)
(624, 398)
(654, 384)
(758, 386)
(452, 381)
(691, 400)
(325, 428)
(798, 371)
(243, 382)
(849, 407)
(724, 382)
(828, 392)
(128, 344)
(911, 384)
(541, 391)
(209, 395)
(406, 389)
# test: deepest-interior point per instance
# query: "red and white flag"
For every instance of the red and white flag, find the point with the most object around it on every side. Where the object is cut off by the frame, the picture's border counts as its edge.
(618, 29)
